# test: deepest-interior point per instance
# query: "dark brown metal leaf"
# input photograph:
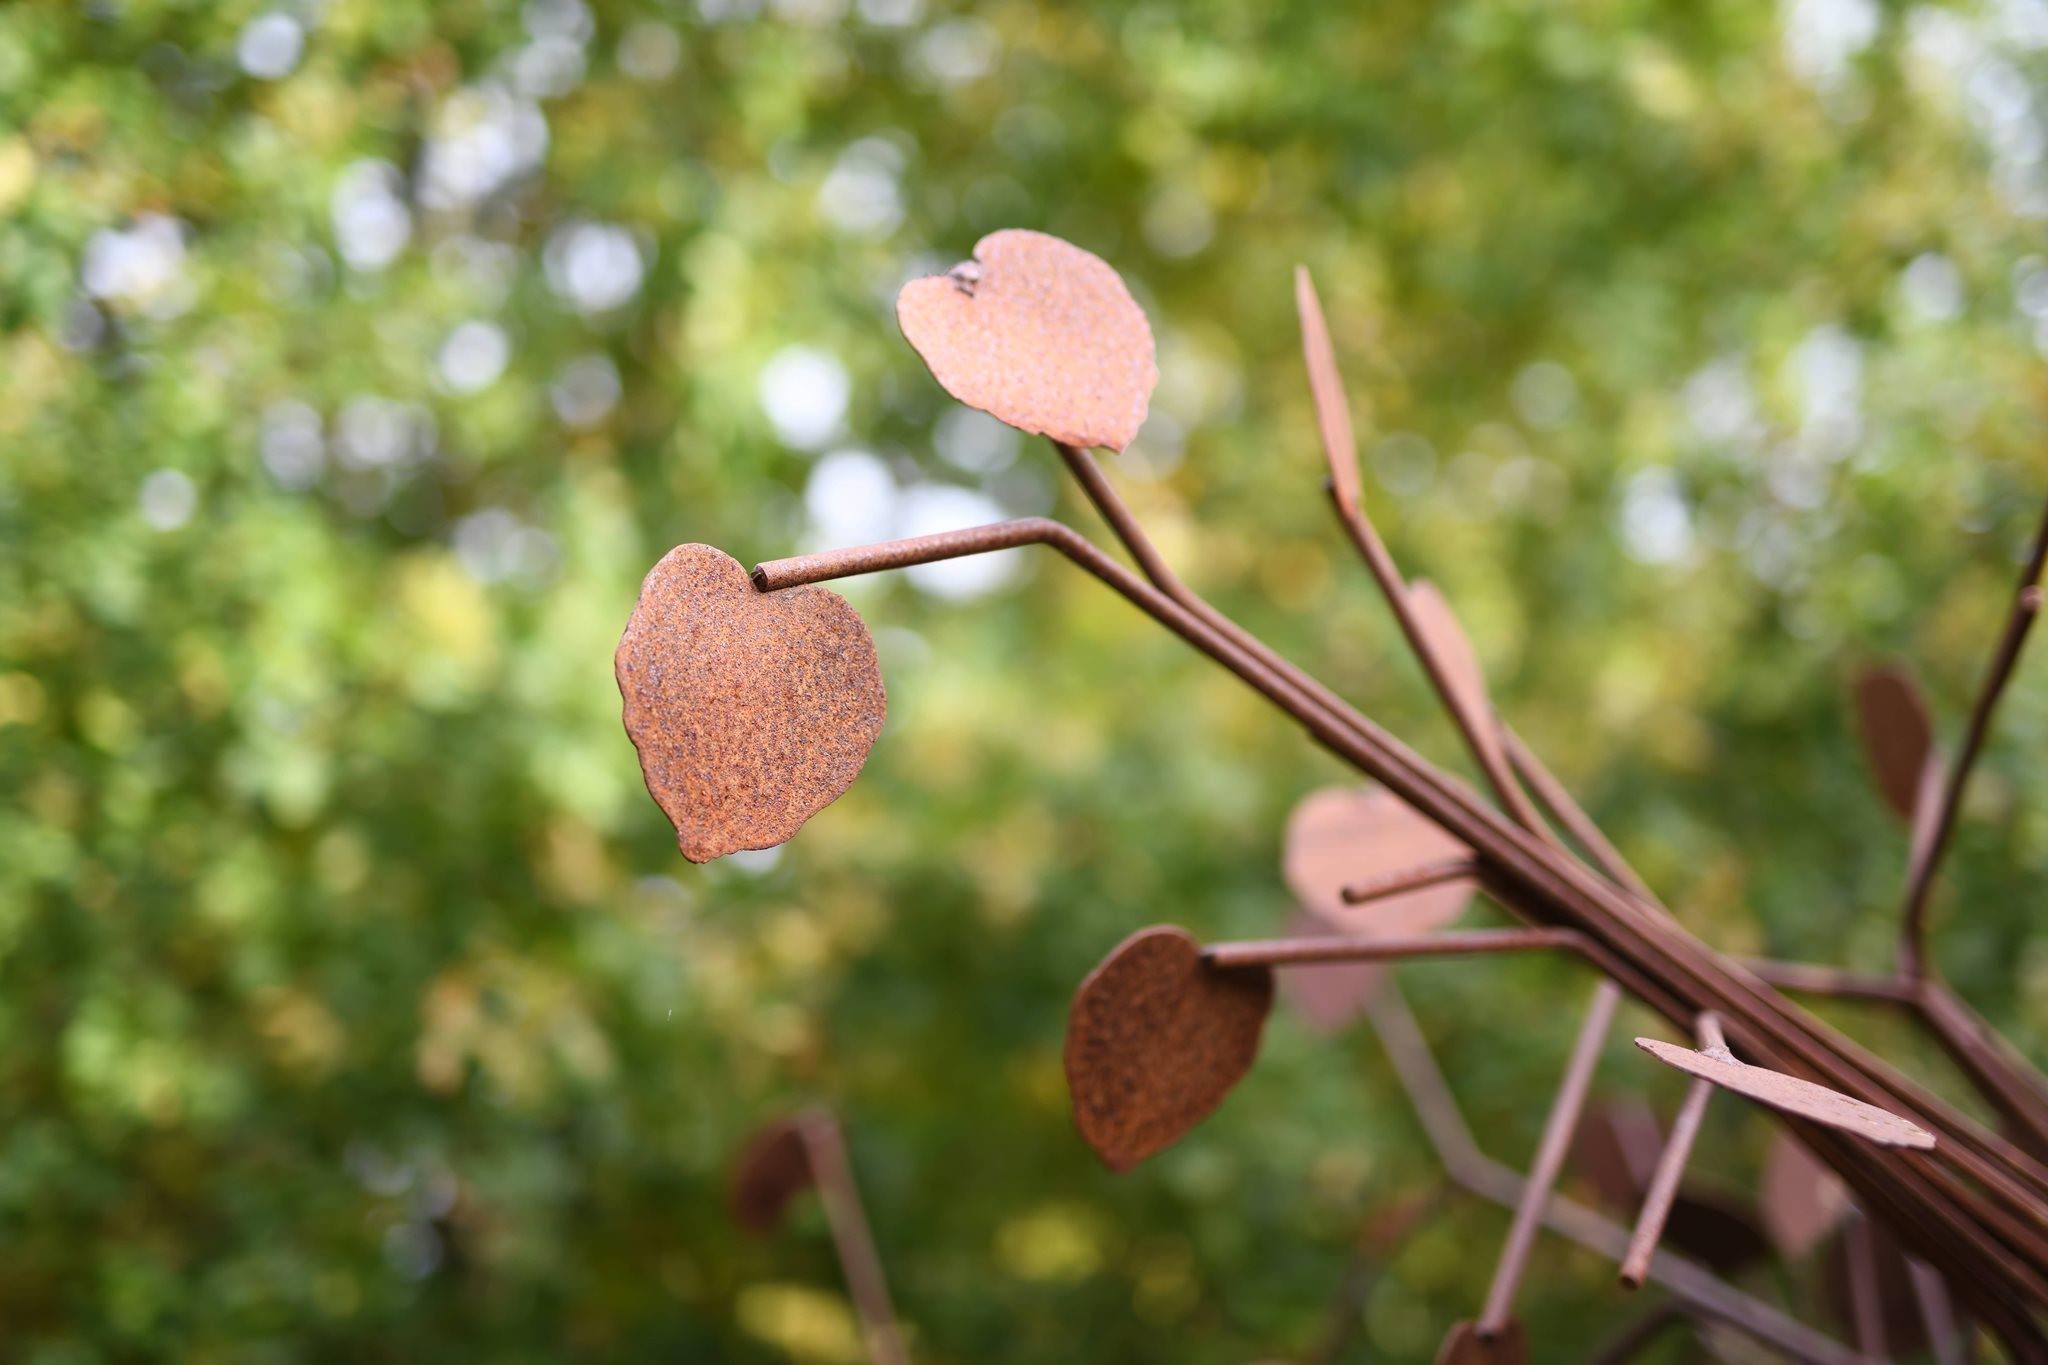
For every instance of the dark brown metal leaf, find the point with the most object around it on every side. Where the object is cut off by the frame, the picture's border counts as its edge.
(1803, 1200)
(1326, 386)
(1340, 836)
(1616, 1147)
(1899, 1317)
(1717, 1230)
(1155, 1040)
(1448, 641)
(751, 711)
(1037, 333)
(1464, 1346)
(1898, 736)
(1330, 995)
(1792, 1095)
(773, 1167)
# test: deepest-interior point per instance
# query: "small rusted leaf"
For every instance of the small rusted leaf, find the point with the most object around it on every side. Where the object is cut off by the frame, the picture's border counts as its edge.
(1464, 1346)
(1340, 836)
(1803, 1200)
(1792, 1095)
(751, 711)
(1898, 736)
(1715, 1229)
(1326, 386)
(1448, 641)
(1155, 1040)
(1037, 333)
(1327, 996)
(773, 1168)
(1616, 1146)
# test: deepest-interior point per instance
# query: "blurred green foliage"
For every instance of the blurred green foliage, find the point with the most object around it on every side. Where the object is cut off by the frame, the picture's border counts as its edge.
(358, 356)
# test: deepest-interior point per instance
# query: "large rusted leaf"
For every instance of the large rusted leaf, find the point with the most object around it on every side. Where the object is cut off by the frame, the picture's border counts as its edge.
(751, 711)
(1341, 836)
(1155, 1040)
(1792, 1095)
(1037, 333)
(1898, 736)
(773, 1167)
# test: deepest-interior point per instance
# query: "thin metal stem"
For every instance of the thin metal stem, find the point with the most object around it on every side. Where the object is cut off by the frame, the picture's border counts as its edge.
(1813, 978)
(1550, 1155)
(2019, 622)
(1670, 1169)
(1297, 952)
(858, 1259)
(1417, 878)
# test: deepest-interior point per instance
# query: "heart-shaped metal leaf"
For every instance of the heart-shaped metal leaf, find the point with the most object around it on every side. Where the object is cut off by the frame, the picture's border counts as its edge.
(1037, 333)
(1464, 1346)
(751, 711)
(1342, 836)
(1792, 1095)
(1156, 1039)
(1898, 736)
(773, 1168)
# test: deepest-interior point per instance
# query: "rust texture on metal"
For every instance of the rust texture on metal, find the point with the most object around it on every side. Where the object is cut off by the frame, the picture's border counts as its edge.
(1792, 1095)
(1341, 948)
(1467, 682)
(1339, 837)
(751, 712)
(1329, 996)
(1616, 1150)
(1898, 735)
(1803, 1201)
(1660, 1194)
(1037, 333)
(1868, 1285)
(773, 1167)
(1508, 1344)
(1155, 1039)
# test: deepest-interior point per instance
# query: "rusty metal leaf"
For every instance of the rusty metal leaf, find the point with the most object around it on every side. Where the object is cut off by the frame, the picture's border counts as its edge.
(1340, 836)
(1155, 1040)
(1326, 386)
(1792, 1095)
(1448, 641)
(1900, 1321)
(1803, 1200)
(1715, 1229)
(1898, 736)
(773, 1167)
(1327, 996)
(751, 711)
(1037, 333)
(1464, 1346)
(1616, 1148)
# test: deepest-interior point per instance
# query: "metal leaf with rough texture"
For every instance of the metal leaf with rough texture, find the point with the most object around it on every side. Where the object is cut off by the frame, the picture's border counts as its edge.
(773, 1168)
(1898, 736)
(751, 711)
(1326, 387)
(1792, 1095)
(1803, 1200)
(1328, 995)
(1448, 641)
(1155, 1039)
(1464, 1346)
(1037, 333)
(1340, 836)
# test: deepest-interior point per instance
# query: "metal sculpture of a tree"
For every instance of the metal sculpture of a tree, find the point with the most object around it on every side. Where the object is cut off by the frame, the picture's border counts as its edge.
(754, 699)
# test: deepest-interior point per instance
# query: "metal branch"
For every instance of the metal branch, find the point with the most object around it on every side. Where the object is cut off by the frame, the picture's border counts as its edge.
(848, 1222)
(1408, 879)
(1550, 1154)
(1296, 952)
(1443, 1124)
(1672, 973)
(2019, 621)
(1663, 1187)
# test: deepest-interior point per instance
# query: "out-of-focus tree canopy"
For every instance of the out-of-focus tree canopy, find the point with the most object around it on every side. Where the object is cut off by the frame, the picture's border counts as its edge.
(357, 357)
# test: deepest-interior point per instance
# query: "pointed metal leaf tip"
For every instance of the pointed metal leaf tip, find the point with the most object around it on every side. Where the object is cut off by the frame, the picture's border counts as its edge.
(1326, 385)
